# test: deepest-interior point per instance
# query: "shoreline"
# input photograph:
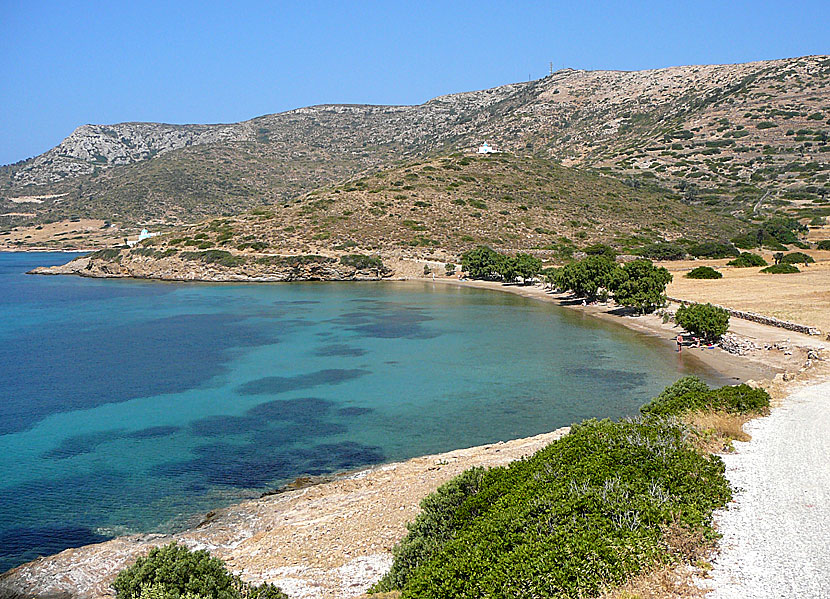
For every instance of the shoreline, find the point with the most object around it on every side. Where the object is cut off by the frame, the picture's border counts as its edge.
(242, 531)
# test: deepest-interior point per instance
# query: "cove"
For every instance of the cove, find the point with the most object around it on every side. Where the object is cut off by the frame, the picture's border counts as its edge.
(133, 406)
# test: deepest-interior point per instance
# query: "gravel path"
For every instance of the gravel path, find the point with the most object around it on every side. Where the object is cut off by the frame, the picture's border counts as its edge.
(776, 535)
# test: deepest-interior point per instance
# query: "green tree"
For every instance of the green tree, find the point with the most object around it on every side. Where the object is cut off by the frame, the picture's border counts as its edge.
(527, 267)
(705, 320)
(641, 285)
(586, 277)
(482, 263)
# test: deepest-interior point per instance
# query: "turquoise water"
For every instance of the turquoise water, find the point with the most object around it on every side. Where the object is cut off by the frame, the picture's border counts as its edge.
(133, 406)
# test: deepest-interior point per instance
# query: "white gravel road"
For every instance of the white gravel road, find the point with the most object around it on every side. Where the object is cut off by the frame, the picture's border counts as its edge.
(776, 534)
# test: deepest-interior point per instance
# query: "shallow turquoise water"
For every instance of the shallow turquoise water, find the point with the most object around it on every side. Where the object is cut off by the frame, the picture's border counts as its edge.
(132, 406)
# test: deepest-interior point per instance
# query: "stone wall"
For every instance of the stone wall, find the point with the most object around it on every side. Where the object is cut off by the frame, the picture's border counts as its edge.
(761, 319)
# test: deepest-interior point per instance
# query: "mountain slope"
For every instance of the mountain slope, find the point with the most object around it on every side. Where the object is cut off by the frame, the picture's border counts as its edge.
(725, 135)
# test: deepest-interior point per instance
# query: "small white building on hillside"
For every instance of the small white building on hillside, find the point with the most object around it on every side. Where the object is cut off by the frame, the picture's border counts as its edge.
(486, 148)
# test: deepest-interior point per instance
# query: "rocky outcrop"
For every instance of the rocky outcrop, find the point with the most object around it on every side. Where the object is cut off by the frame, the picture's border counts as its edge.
(216, 266)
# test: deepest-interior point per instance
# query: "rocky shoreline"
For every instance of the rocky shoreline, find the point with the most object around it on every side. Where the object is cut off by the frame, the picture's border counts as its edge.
(327, 540)
(217, 266)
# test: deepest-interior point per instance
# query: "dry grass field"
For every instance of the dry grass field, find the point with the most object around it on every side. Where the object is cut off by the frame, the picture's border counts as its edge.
(803, 297)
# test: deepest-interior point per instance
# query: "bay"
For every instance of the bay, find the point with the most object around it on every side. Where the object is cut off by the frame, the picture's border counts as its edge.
(133, 406)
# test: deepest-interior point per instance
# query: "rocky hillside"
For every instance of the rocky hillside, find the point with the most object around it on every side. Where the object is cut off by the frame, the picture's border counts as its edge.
(744, 138)
(430, 210)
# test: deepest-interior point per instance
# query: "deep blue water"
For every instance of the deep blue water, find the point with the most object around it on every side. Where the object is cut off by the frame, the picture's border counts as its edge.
(132, 406)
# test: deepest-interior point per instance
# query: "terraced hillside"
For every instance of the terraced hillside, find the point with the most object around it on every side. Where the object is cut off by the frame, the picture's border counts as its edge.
(748, 138)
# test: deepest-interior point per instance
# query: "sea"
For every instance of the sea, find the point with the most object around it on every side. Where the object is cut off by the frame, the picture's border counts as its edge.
(135, 406)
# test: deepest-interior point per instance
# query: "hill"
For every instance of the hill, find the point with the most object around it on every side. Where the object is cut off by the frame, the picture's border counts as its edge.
(746, 138)
(429, 210)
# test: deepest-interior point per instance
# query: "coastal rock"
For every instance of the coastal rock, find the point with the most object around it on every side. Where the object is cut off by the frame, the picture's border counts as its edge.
(326, 541)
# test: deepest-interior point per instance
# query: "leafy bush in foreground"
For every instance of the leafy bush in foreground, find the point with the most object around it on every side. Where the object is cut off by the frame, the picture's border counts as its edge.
(705, 320)
(747, 259)
(582, 514)
(781, 269)
(690, 394)
(173, 572)
(703, 272)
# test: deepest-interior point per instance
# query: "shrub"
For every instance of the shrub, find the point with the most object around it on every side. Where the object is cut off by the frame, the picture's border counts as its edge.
(781, 269)
(824, 244)
(600, 249)
(174, 571)
(449, 268)
(662, 251)
(585, 513)
(427, 269)
(690, 394)
(108, 254)
(362, 262)
(703, 272)
(747, 259)
(796, 258)
(704, 320)
(713, 250)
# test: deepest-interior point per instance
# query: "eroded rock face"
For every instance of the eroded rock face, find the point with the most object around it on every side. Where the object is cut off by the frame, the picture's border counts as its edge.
(91, 146)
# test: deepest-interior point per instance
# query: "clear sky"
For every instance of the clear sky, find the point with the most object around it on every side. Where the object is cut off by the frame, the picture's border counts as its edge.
(67, 63)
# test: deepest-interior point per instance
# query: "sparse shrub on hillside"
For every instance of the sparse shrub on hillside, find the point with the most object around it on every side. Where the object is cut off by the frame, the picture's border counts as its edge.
(600, 249)
(108, 254)
(703, 272)
(796, 258)
(823, 244)
(362, 262)
(780, 269)
(705, 320)
(765, 125)
(175, 572)
(640, 284)
(746, 260)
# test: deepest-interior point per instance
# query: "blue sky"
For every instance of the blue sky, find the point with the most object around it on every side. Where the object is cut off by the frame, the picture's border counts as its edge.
(63, 64)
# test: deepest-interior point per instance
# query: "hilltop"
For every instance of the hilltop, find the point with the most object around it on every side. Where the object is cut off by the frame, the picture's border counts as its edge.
(746, 138)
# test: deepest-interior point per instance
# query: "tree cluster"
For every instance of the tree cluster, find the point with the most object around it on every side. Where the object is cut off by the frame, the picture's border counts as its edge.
(487, 264)
(638, 284)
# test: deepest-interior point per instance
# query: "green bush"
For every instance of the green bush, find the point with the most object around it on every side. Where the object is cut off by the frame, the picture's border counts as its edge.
(173, 572)
(781, 269)
(449, 268)
(690, 394)
(703, 272)
(662, 251)
(747, 259)
(824, 244)
(797, 258)
(362, 262)
(704, 320)
(587, 512)
(109, 254)
(713, 250)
